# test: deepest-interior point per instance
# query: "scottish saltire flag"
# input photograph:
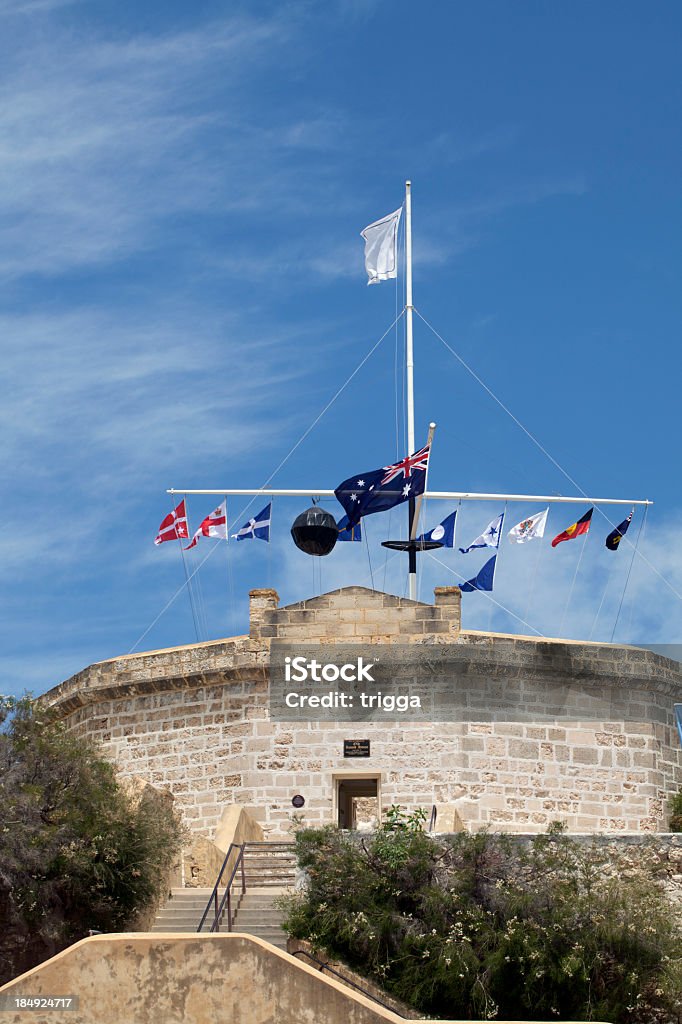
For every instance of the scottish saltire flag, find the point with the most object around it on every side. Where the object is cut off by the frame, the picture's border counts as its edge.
(483, 580)
(257, 528)
(381, 489)
(381, 248)
(677, 708)
(490, 538)
(347, 532)
(616, 536)
(214, 525)
(444, 532)
(529, 529)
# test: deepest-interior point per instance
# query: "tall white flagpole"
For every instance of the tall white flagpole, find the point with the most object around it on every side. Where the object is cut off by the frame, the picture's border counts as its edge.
(409, 365)
(409, 355)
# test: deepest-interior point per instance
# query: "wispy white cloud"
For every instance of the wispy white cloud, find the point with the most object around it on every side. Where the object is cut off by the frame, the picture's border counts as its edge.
(101, 140)
(448, 148)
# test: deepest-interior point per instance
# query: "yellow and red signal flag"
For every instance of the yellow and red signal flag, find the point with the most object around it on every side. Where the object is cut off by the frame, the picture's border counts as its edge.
(575, 530)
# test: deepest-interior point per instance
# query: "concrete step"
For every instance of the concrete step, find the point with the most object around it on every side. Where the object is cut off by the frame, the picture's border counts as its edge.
(274, 882)
(287, 849)
(186, 929)
(170, 922)
(250, 923)
(180, 904)
(198, 891)
(255, 899)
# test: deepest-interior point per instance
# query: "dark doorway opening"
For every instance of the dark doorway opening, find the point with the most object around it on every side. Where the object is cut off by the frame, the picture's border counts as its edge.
(358, 804)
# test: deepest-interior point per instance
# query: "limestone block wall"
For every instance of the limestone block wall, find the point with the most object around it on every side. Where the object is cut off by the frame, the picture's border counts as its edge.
(196, 719)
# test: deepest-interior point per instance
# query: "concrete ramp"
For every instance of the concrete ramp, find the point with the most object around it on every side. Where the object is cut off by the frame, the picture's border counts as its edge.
(143, 978)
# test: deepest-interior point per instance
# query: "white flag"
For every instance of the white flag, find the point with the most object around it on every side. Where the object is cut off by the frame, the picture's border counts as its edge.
(529, 529)
(490, 538)
(381, 248)
(214, 525)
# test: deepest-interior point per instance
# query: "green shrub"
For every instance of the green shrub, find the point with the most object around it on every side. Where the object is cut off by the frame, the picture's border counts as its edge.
(481, 926)
(77, 851)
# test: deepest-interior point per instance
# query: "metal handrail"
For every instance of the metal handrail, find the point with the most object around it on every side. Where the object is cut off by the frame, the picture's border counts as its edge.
(213, 898)
(227, 898)
(347, 981)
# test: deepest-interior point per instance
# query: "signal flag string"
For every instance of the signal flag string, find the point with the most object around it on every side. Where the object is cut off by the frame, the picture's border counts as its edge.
(540, 446)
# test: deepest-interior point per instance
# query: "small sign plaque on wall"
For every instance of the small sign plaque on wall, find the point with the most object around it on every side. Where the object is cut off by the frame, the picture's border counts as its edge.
(356, 748)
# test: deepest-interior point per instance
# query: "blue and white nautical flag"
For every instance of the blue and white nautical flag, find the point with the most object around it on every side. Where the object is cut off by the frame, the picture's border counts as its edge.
(483, 579)
(444, 532)
(381, 489)
(347, 532)
(490, 538)
(257, 528)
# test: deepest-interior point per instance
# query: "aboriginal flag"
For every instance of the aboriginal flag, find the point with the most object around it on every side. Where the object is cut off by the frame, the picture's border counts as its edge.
(582, 526)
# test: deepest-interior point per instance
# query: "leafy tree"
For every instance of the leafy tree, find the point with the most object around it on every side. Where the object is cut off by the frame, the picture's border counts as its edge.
(77, 850)
(479, 926)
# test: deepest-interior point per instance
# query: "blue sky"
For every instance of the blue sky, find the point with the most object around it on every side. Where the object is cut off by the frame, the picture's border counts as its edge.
(181, 193)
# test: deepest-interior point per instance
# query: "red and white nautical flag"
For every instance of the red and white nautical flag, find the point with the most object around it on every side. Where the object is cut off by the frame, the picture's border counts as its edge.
(174, 526)
(214, 525)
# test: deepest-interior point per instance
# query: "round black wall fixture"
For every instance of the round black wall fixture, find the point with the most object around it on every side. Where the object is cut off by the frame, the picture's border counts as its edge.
(315, 531)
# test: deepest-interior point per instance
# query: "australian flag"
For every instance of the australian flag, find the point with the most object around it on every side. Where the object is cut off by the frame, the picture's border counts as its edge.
(381, 489)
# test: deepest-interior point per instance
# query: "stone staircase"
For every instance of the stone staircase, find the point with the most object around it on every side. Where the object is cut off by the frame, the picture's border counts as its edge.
(182, 912)
(269, 872)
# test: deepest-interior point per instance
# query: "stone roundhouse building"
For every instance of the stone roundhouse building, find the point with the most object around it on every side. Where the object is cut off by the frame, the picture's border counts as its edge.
(542, 730)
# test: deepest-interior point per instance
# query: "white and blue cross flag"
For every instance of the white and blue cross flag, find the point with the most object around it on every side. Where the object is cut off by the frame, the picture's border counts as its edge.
(444, 532)
(257, 528)
(490, 538)
(381, 489)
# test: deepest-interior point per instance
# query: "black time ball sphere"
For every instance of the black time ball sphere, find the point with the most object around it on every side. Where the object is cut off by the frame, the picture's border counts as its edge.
(315, 531)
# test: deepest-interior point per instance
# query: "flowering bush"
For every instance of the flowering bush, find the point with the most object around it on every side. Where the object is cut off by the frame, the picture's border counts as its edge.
(76, 851)
(482, 926)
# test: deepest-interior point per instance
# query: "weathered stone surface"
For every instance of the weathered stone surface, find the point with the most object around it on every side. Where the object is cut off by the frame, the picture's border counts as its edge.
(180, 979)
(583, 733)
